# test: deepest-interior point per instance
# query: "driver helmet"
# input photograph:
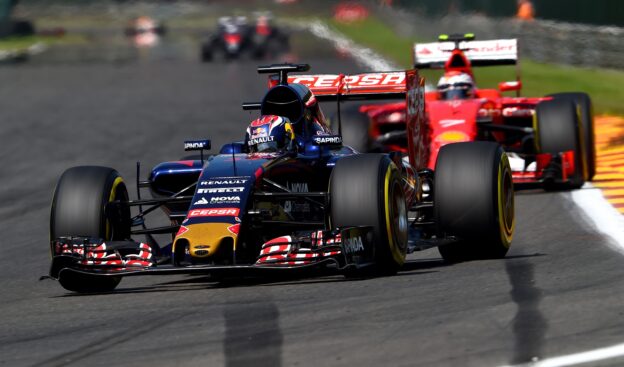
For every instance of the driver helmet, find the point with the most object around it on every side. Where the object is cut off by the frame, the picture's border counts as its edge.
(456, 85)
(270, 133)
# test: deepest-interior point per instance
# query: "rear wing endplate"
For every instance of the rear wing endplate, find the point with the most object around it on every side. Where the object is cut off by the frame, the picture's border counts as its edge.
(480, 53)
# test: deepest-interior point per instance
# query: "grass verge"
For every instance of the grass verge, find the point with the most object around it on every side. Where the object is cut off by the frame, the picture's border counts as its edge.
(22, 43)
(538, 78)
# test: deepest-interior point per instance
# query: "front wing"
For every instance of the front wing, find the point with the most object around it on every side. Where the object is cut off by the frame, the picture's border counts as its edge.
(341, 250)
(546, 169)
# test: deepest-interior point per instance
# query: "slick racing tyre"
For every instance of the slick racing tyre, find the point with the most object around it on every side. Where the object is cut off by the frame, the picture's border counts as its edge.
(557, 130)
(474, 201)
(366, 190)
(354, 130)
(79, 209)
(206, 53)
(586, 115)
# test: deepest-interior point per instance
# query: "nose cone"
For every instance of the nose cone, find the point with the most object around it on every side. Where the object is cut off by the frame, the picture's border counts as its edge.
(206, 240)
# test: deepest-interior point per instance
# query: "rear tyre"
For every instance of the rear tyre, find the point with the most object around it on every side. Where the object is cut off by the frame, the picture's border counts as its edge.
(366, 190)
(355, 127)
(586, 115)
(206, 54)
(474, 201)
(79, 209)
(557, 130)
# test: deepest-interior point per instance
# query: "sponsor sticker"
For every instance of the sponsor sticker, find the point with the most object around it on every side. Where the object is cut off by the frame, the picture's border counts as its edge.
(220, 190)
(255, 141)
(297, 186)
(196, 144)
(225, 200)
(292, 206)
(327, 139)
(201, 201)
(259, 132)
(214, 212)
(353, 244)
(352, 81)
(224, 181)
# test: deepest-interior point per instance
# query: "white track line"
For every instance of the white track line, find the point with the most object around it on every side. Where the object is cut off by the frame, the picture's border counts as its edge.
(607, 220)
(365, 56)
(599, 212)
(578, 358)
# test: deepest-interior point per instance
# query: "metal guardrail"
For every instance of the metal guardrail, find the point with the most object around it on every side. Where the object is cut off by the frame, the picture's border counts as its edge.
(540, 40)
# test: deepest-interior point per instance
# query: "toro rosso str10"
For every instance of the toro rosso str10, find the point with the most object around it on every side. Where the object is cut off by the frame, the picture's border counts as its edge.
(550, 140)
(289, 196)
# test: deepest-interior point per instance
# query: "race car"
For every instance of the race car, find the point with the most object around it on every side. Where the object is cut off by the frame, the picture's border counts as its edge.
(269, 40)
(288, 197)
(550, 140)
(145, 31)
(235, 38)
(144, 24)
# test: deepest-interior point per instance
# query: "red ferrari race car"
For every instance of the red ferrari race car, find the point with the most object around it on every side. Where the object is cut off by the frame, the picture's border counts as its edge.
(550, 140)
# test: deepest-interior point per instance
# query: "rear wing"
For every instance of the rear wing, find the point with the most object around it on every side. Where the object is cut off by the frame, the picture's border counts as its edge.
(406, 85)
(331, 87)
(480, 53)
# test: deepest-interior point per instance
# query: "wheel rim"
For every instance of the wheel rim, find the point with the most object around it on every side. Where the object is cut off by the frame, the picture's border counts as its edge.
(399, 214)
(396, 218)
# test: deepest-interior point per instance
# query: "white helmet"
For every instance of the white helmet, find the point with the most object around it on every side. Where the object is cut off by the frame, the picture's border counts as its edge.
(456, 85)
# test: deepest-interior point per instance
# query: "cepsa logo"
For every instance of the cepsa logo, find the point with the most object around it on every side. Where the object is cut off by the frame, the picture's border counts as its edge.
(215, 212)
(352, 81)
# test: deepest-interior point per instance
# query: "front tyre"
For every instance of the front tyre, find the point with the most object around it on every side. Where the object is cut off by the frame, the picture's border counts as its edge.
(586, 117)
(474, 201)
(366, 190)
(79, 208)
(557, 130)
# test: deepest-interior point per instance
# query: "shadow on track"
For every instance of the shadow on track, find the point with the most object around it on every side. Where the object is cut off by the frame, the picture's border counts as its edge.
(529, 325)
(410, 268)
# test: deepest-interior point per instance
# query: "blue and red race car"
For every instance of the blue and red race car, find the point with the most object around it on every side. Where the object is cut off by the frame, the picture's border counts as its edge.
(290, 196)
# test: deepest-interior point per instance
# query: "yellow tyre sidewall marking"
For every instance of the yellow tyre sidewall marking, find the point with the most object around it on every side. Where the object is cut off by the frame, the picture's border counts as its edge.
(397, 254)
(506, 232)
(536, 140)
(111, 197)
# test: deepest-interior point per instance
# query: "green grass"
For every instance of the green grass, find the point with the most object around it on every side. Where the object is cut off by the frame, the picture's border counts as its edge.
(16, 43)
(22, 43)
(372, 33)
(604, 86)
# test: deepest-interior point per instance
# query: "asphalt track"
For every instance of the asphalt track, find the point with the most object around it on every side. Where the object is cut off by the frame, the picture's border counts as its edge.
(560, 290)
